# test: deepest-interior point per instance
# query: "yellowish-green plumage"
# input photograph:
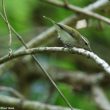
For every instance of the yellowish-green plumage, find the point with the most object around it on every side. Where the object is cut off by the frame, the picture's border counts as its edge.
(70, 37)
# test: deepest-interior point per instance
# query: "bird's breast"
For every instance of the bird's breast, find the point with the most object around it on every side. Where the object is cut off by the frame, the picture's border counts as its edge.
(67, 39)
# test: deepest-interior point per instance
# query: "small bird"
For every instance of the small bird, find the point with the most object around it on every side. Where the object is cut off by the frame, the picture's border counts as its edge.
(70, 37)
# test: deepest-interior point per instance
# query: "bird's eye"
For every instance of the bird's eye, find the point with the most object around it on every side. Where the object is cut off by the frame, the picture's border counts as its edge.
(86, 43)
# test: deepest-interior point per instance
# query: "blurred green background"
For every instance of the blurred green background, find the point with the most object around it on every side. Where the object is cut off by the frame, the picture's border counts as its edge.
(26, 17)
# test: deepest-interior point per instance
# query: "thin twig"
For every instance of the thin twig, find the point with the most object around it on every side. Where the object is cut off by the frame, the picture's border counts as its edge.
(103, 64)
(79, 10)
(9, 28)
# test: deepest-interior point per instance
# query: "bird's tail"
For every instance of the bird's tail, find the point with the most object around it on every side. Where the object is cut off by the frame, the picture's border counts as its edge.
(49, 19)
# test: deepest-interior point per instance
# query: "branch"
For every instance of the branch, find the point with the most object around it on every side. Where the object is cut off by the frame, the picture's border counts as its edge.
(12, 91)
(100, 98)
(97, 4)
(104, 65)
(84, 11)
(28, 105)
(78, 78)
